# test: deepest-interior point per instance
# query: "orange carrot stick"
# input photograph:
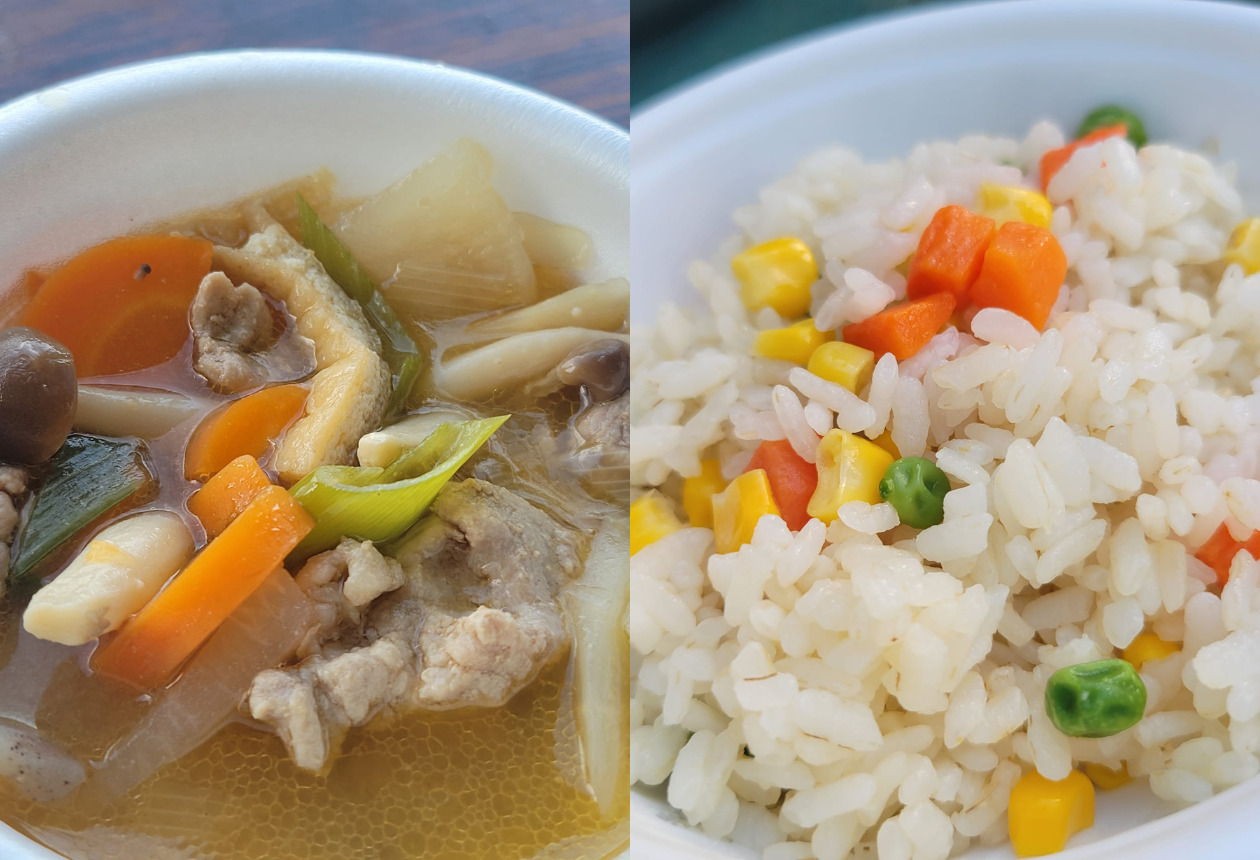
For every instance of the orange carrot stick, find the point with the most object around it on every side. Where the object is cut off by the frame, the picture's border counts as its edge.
(245, 426)
(949, 254)
(903, 329)
(122, 305)
(1052, 162)
(228, 493)
(152, 645)
(792, 480)
(1022, 272)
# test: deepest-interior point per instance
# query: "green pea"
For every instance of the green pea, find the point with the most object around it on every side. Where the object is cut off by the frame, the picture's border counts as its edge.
(916, 488)
(1095, 700)
(1101, 117)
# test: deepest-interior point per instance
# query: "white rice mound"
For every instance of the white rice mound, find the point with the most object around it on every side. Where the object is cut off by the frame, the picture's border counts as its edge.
(868, 689)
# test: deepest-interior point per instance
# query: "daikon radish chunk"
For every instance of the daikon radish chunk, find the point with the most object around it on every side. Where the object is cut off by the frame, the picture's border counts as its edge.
(444, 217)
(261, 634)
(550, 244)
(40, 769)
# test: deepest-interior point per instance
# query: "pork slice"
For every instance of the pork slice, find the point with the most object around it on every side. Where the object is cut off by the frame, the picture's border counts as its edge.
(229, 323)
(487, 566)
(341, 582)
(474, 619)
(605, 424)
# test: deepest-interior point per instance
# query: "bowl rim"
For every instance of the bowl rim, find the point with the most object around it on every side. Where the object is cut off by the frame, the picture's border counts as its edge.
(729, 77)
(64, 101)
(149, 71)
(711, 98)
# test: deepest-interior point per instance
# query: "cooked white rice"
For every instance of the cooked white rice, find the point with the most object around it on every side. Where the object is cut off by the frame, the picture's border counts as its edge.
(868, 687)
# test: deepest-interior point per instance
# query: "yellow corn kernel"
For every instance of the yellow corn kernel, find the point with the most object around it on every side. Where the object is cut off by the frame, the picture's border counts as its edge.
(651, 518)
(1043, 813)
(698, 493)
(777, 274)
(1106, 778)
(849, 470)
(1243, 247)
(884, 440)
(796, 343)
(1005, 203)
(738, 508)
(1146, 647)
(844, 364)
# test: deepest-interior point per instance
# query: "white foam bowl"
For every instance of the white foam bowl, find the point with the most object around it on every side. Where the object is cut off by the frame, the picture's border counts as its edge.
(1191, 69)
(113, 152)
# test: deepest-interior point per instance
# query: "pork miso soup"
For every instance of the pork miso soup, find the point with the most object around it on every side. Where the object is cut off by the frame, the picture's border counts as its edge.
(313, 512)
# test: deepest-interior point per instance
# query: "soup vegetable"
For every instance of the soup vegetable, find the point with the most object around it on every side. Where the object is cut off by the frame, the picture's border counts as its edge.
(946, 510)
(314, 519)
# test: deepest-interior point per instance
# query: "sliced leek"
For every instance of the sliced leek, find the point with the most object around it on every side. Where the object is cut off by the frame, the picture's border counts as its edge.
(379, 504)
(87, 477)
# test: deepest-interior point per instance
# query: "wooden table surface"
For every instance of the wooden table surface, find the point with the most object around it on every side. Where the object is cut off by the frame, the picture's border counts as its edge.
(578, 50)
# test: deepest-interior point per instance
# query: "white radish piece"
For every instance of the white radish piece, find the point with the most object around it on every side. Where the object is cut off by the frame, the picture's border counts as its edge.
(41, 770)
(550, 244)
(262, 633)
(443, 217)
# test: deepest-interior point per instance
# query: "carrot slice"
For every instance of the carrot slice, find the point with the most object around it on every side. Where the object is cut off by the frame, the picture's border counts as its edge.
(152, 645)
(950, 252)
(792, 480)
(122, 305)
(1022, 272)
(228, 493)
(1052, 162)
(245, 426)
(903, 329)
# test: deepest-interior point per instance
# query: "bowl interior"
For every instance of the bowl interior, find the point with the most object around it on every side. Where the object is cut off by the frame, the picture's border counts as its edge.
(993, 68)
(111, 153)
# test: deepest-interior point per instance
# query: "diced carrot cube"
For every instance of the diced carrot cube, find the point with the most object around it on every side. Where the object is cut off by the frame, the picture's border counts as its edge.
(1023, 270)
(903, 329)
(1052, 162)
(228, 493)
(950, 253)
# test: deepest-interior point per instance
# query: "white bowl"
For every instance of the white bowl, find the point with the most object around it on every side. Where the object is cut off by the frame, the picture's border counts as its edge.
(1191, 69)
(113, 152)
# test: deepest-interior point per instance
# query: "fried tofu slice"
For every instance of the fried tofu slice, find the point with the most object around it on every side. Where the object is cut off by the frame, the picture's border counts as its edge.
(351, 385)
